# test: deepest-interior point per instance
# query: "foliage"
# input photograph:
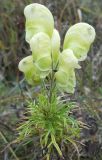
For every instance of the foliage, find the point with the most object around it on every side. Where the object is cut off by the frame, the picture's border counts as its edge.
(51, 121)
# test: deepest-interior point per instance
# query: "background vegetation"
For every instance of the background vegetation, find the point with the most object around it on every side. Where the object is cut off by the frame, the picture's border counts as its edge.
(14, 91)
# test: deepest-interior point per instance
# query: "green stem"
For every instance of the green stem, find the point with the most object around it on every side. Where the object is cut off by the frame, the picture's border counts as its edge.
(51, 86)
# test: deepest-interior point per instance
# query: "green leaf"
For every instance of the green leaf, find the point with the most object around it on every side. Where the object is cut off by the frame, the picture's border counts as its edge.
(56, 145)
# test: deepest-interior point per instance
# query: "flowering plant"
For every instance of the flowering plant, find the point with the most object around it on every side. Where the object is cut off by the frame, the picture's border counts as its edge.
(54, 70)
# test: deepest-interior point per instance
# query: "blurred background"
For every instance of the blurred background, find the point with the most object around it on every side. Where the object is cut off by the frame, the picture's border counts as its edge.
(14, 90)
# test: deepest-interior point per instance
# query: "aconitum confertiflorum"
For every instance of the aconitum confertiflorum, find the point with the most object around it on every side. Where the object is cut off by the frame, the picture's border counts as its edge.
(44, 41)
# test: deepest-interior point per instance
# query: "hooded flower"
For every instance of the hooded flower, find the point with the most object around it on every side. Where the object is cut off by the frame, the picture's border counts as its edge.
(66, 81)
(38, 19)
(79, 37)
(65, 76)
(40, 45)
(27, 66)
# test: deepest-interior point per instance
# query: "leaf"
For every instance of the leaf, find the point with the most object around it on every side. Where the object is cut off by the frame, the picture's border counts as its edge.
(56, 145)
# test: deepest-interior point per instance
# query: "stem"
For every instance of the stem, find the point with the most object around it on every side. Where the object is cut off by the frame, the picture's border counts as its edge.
(45, 88)
(52, 84)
